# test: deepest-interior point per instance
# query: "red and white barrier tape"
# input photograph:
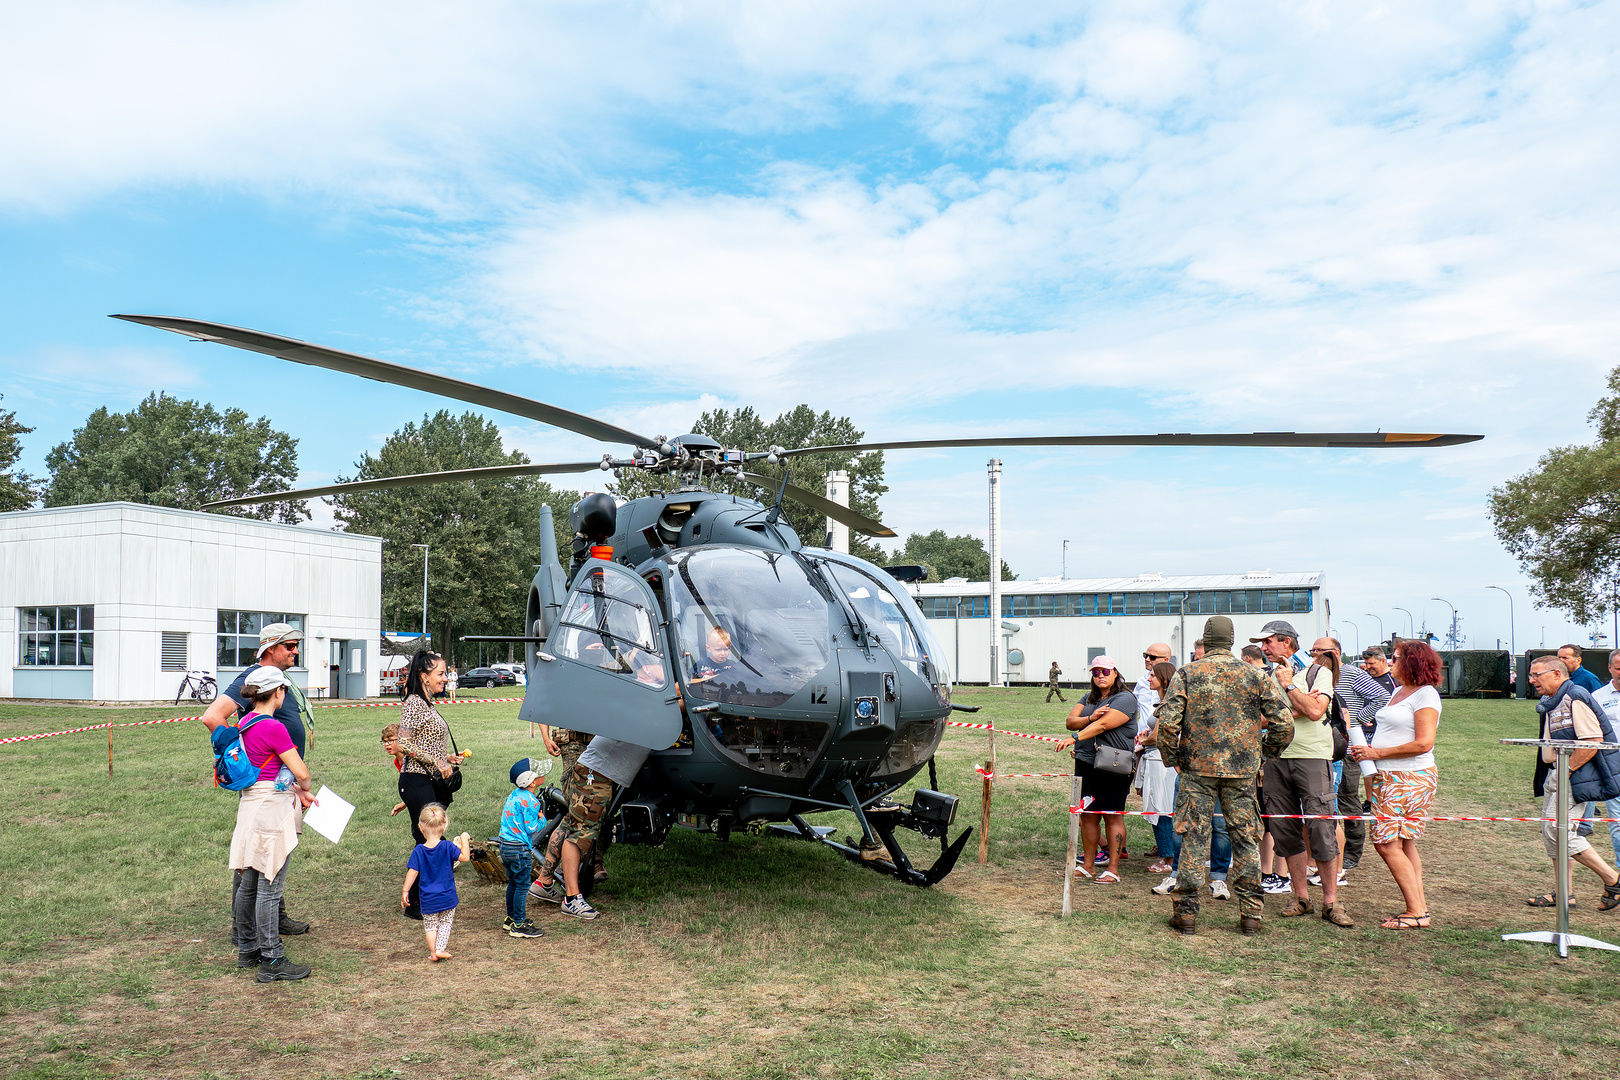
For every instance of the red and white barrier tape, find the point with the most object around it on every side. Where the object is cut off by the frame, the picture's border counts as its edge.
(1001, 731)
(1343, 817)
(181, 719)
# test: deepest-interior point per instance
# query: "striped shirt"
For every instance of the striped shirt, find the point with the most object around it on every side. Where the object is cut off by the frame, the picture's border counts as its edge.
(1360, 694)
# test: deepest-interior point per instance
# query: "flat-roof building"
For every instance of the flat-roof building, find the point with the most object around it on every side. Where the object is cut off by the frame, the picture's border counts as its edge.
(1072, 620)
(116, 601)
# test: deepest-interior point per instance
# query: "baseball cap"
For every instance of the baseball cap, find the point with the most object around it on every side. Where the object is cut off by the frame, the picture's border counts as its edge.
(525, 778)
(276, 633)
(1279, 627)
(1103, 662)
(264, 680)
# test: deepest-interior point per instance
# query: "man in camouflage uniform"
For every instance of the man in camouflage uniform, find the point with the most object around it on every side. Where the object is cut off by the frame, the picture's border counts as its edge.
(568, 744)
(1210, 732)
(1052, 686)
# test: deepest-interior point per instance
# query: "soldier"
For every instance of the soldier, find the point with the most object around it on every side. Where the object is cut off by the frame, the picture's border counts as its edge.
(1210, 731)
(1052, 686)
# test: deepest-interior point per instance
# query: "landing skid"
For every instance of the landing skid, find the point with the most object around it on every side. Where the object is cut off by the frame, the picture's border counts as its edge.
(901, 867)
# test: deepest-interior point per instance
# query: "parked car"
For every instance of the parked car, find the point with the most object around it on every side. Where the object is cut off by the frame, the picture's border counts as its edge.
(516, 670)
(486, 676)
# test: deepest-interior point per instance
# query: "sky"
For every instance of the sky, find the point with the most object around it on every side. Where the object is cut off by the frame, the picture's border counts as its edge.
(935, 218)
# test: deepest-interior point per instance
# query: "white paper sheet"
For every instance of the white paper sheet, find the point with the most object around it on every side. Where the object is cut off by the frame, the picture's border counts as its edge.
(330, 815)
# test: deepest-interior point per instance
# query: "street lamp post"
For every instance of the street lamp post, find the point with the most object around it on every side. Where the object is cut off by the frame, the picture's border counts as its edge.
(1380, 618)
(1512, 644)
(1411, 624)
(424, 548)
(1357, 629)
(1452, 636)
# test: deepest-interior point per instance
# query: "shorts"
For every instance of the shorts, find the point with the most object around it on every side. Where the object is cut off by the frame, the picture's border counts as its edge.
(587, 795)
(1400, 801)
(1101, 791)
(1301, 786)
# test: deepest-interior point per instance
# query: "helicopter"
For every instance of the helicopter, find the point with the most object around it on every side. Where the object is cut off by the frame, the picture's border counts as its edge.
(770, 680)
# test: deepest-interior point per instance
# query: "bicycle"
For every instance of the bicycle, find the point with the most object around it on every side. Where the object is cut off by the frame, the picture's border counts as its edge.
(205, 691)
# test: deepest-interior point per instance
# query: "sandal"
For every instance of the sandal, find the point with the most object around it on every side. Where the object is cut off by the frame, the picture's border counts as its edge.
(1163, 866)
(1406, 922)
(1549, 900)
(1081, 872)
(1297, 908)
(1108, 877)
(1611, 897)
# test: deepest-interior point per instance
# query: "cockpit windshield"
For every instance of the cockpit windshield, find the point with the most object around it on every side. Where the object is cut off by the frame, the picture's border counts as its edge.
(750, 627)
(890, 613)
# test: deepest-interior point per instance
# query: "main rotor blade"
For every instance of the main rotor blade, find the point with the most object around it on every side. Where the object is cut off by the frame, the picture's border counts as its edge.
(1350, 439)
(837, 511)
(488, 472)
(302, 352)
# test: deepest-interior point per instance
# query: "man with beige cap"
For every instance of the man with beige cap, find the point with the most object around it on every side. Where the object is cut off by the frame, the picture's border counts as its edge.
(279, 644)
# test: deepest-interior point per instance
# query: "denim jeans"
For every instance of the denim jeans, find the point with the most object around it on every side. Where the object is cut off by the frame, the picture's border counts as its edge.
(1608, 809)
(256, 913)
(516, 858)
(1164, 834)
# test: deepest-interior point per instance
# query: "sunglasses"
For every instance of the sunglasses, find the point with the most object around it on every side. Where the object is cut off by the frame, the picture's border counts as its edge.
(1151, 656)
(1323, 652)
(1102, 671)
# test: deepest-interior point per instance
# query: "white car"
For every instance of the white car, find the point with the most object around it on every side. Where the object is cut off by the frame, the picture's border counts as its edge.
(516, 669)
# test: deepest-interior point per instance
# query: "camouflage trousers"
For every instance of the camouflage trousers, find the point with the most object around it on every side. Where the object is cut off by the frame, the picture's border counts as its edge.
(587, 795)
(572, 744)
(1198, 800)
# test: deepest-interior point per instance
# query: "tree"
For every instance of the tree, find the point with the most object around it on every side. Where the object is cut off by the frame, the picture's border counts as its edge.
(950, 556)
(483, 536)
(173, 452)
(1562, 519)
(16, 489)
(744, 429)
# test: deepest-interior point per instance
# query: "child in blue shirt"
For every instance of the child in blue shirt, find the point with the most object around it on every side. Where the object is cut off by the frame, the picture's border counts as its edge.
(522, 818)
(433, 865)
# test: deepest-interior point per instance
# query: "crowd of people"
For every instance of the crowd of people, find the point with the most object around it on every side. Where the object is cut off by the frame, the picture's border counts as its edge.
(1259, 769)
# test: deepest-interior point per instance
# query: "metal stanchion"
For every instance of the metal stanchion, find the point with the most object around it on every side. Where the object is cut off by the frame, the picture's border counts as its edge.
(1561, 937)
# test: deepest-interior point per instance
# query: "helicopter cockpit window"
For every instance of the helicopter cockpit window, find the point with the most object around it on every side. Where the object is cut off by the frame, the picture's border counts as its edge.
(893, 616)
(605, 625)
(751, 629)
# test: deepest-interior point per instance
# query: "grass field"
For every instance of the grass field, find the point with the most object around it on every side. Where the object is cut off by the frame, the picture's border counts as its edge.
(756, 958)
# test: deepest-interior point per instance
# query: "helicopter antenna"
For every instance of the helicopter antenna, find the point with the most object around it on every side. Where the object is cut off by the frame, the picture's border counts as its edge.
(776, 511)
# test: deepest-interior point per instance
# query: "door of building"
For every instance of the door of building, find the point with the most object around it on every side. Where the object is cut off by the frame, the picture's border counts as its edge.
(334, 669)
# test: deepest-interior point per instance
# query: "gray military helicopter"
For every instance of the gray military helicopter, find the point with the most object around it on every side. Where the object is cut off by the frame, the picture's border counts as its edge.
(770, 680)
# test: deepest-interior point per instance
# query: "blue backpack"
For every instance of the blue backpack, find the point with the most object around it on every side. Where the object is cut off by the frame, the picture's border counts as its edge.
(233, 770)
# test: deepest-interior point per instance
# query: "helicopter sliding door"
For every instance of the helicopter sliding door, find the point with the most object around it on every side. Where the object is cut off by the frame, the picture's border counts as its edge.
(605, 668)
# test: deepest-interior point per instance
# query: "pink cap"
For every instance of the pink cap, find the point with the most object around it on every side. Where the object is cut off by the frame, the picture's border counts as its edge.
(1104, 662)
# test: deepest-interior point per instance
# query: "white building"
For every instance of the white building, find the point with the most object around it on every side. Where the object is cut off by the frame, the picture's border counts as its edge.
(115, 601)
(1074, 620)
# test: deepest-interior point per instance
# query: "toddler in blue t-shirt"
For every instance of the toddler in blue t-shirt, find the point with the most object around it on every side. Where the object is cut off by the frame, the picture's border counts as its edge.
(433, 865)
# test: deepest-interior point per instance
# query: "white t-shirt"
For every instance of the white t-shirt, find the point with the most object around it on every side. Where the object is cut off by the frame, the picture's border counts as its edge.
(1608, 697)
(1397, 724)
(1147, 699)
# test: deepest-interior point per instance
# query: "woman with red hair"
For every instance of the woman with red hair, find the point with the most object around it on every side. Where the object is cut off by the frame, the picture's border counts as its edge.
(1403, 789)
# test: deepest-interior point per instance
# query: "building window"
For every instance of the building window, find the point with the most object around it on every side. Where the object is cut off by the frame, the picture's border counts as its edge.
(238, 635)
(174, 650)
(56, 636)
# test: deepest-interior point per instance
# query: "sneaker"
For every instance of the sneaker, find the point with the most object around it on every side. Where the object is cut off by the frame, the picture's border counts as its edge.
(524, 929)
(281, 969)
(1350, 864)
(248, 959)
(1219, 891)
(1316, 878)
(1102, 858)
(578, 908)
(292, 927)
(1165, 887)
(552, 894)
(507, 923)
(1276, 884)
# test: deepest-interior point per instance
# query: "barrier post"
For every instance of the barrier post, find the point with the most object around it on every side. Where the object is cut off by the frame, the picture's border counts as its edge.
(1073, 849)
(109, 753)
(984, 813)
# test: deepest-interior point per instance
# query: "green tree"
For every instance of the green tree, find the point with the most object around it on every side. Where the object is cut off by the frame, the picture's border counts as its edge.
(17, 489)
(950, 556)
(745, 429)
(1562, 519)
(174, 452)
(483, 536)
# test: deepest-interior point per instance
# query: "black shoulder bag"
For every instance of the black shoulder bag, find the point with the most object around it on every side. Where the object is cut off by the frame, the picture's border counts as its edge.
(444, 787)
(1334, 718)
